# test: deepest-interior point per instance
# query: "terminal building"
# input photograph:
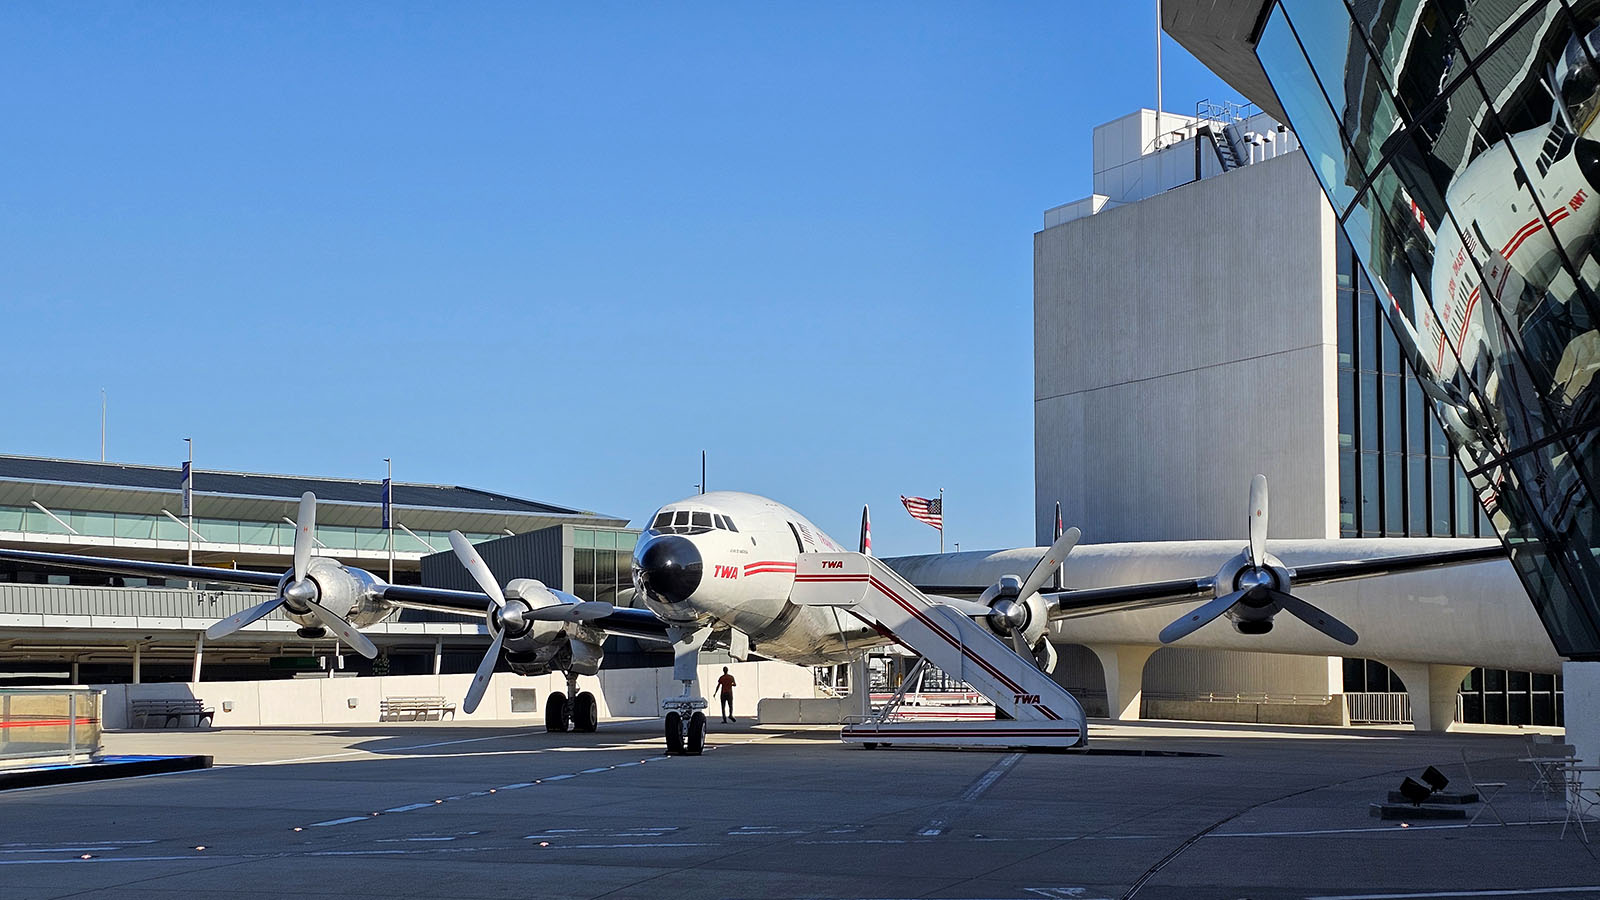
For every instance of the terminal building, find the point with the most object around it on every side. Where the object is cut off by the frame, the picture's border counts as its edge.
(102, 629)
(1200, 318)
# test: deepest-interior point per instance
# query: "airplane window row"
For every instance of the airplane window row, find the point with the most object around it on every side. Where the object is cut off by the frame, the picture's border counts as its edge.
(683, 521)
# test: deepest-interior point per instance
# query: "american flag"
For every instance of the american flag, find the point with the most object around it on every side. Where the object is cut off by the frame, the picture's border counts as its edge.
(929, 512)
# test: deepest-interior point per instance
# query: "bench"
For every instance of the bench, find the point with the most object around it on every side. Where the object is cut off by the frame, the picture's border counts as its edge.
(171, 712)
(395, 709)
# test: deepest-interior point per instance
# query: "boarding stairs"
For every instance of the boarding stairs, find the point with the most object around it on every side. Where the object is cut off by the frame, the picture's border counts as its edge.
(1041, 712)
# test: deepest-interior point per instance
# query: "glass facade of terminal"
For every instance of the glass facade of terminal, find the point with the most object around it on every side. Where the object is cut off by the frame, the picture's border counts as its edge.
(1458, 145)
(234, 532)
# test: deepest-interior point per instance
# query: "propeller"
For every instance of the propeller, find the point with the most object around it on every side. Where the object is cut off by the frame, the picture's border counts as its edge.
(301, 593)
(1007, 602)
(1253, 587)
(512, 617)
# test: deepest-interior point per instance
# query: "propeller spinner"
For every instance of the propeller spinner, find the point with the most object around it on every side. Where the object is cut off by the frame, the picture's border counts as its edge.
(1253, 587)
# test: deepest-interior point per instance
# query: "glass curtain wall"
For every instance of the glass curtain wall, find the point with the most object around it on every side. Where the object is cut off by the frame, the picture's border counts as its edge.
(1397, 474)
(1458, 145)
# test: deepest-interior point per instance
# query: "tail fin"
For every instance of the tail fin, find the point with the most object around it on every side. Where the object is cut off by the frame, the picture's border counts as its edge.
(866, 530)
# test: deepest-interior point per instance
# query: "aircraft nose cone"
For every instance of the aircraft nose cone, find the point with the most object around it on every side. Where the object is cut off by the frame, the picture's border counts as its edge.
(667, 566)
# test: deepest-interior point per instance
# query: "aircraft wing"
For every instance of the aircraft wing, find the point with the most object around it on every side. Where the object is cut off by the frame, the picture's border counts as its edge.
(244, 577)
(1121, 598)
(634, 623)
(623, 622)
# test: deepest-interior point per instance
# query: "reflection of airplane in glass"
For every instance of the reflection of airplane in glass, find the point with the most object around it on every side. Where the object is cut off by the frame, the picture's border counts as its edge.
(726, 563)
(1510, 245)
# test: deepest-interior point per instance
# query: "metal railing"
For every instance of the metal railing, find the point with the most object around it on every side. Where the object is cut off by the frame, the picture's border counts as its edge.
(1242, 697)
(49, 724)
(1378, 708)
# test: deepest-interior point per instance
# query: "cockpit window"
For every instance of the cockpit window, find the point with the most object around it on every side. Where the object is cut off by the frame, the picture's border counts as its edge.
(684, 521)
(682, 518)
(717, 521)
(701, 520)
(729, 522)
(663, 519)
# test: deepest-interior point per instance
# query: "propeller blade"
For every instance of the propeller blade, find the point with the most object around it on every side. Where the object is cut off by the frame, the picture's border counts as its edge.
(345, 631)
(239, 620)
(582, 611)
(476, 567)
(1049, 562)
(1258, 519)
(480, 680)
(966, 607)
(305, 535)
(1315, 617)
(1198, 617)
(1019, 643)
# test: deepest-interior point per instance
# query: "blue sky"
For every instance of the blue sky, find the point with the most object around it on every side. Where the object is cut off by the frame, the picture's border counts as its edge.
(556, 251)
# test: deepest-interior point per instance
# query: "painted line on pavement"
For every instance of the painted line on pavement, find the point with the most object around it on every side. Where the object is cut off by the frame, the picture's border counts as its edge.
(1507, 892)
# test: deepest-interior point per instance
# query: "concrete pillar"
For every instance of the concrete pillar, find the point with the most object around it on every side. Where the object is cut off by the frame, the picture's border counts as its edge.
(1580, 686)
(74, 676)
(137, 650)
(199, 652)
(1432, 688)
(860, 688)
(1124, 668)
(438, 654)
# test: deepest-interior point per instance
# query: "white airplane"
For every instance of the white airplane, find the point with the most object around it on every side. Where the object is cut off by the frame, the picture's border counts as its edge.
(727, 561)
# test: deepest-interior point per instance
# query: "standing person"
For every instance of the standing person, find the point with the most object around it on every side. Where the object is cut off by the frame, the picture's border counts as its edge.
(725, 689)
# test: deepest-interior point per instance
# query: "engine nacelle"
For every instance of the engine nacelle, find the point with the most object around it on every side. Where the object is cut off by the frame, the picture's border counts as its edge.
(1250, 616)
(347, 592)
(530, 636)
(1008, 613)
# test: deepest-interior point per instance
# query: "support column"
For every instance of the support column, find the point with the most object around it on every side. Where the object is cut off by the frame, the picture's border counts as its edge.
(199, 652)
(137, 652)
(1124, 669)
(74, 676)
(860, 691)
(438, 654)
(1432, 688)
(1580, 684)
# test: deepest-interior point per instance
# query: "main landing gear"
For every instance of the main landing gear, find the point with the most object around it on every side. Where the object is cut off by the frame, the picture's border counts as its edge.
(580, 713)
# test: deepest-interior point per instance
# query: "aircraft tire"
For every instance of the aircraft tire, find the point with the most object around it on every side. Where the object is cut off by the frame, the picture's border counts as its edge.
(585, 713)
(869, 745)
(555, 712)
(674, 732)
(697, 734)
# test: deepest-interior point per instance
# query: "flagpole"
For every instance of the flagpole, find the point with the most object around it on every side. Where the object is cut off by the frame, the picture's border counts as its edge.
(190, 535)
(188, 496)
(941, 520)
(388, 513)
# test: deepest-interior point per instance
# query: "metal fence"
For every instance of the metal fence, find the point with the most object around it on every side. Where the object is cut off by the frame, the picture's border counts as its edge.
(1378, 708)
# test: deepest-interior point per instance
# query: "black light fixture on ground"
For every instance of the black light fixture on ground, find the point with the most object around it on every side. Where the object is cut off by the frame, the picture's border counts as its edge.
(1415, 791)
(1435, 779)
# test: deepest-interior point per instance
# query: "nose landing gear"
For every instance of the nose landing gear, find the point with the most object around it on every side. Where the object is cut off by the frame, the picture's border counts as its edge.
(686, 736)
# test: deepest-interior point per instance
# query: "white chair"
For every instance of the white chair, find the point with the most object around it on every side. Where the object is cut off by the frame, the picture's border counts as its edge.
(1486, 791)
